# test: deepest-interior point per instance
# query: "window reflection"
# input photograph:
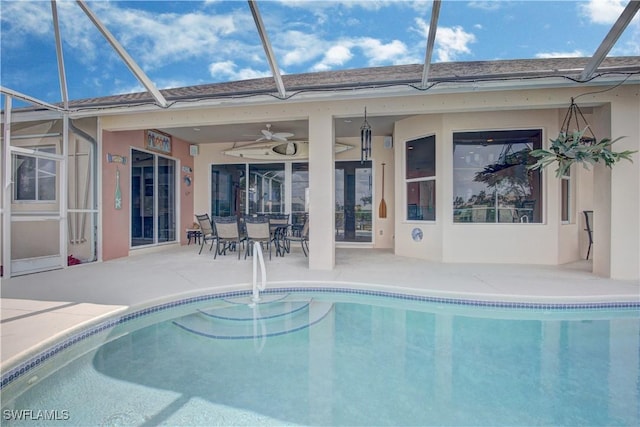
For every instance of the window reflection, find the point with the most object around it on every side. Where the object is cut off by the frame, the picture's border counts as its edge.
(420, 155)
(266, 188)
(228, 189)
(490, 177)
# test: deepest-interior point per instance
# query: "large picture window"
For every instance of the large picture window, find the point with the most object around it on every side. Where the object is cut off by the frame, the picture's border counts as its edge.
(35, 177)
(491, 181)
(420, 155)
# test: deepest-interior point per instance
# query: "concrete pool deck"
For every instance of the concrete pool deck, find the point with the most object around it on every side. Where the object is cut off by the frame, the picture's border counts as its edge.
(37, 309)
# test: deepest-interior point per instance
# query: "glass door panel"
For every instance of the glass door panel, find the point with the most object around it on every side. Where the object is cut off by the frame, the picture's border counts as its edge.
(228, 193)
(166, 200)
(299, 192)
(153, 199)
(266, 188)
(353, 198)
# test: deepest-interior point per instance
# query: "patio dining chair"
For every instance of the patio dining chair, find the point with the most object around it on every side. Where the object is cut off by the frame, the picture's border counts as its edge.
(258, 232)
(278, 226)
(303, 238)
(228, 235)
(206, 230)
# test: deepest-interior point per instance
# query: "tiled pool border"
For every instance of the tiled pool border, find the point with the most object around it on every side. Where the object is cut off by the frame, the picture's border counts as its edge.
(35, 361)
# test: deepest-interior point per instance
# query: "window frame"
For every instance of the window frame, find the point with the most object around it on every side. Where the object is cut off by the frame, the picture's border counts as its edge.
(491, 138)
(48, 150)
(430, 138)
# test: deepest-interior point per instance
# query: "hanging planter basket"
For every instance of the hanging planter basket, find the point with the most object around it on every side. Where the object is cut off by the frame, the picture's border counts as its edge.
(579, 146)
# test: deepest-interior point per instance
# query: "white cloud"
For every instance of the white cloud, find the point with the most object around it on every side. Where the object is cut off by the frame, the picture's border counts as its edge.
(450, 41)
(574, 54)
(379, 53)
(336, 55)
(485, 5)
(603, 11)
(19, 19)
(224, 68)
(227, 70)
(299, 47)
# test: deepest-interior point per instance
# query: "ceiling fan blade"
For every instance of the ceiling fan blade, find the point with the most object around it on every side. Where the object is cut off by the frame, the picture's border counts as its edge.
(267, 134)
(283, 134)
(278, 137)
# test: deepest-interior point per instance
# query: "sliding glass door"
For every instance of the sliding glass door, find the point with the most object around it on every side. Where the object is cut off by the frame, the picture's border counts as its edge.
(265, 188)
(153, 199)
(353, 200)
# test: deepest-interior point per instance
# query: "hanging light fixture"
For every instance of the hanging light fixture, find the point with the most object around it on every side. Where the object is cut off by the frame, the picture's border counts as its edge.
(365, 139)
(574, 114)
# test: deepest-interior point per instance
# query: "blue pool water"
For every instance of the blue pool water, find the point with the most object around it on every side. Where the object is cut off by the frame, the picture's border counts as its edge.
(334, 359)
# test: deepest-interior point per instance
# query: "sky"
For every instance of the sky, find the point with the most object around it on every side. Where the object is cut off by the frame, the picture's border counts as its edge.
(186, 43)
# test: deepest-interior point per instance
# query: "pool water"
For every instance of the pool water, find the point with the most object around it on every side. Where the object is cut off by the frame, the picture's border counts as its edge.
(357, 361)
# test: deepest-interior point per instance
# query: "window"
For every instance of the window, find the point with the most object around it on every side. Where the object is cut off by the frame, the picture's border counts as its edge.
(153, 198)
(228, 192)
(565, 182)
(420, 178)
(491, 181)
(299, 192)
(233, 194)
(353, 198)
(266, 188)
(35, 177)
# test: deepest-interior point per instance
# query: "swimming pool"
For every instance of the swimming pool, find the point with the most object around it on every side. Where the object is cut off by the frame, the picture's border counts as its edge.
(339, 357)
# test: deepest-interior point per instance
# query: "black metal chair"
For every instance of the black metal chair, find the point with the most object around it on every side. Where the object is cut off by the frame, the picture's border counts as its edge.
(278, 226)
(228, 235)
(303, 238)
(206, 230)
(588, 221)
(258, 231)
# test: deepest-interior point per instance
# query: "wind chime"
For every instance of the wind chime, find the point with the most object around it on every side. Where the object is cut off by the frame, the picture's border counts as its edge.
(365, 139)
(574, 114)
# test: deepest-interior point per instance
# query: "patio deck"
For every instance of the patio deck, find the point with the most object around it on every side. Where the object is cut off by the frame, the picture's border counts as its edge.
(39, 308)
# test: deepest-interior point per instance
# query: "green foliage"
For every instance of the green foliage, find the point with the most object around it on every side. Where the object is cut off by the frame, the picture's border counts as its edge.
(569, 149)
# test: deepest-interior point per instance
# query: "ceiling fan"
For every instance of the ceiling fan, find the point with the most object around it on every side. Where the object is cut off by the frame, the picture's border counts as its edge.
(267, 135)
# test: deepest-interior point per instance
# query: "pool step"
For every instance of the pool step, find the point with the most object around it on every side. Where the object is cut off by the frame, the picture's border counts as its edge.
(271, 317)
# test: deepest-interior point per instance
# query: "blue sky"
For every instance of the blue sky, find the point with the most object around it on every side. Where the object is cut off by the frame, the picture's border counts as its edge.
(184, 43)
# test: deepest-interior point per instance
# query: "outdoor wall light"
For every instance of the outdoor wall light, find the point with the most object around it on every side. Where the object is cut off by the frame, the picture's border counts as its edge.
(365, 139)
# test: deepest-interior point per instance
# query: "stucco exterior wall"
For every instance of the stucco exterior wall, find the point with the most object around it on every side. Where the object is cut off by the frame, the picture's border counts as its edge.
(548, 243)
(116, 222)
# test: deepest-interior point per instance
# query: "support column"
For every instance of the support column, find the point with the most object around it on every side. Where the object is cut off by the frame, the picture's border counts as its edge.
(625, 190)
(321, 192)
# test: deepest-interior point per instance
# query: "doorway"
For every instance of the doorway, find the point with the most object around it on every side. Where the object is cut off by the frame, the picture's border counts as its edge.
(153, 199)
(353, 198)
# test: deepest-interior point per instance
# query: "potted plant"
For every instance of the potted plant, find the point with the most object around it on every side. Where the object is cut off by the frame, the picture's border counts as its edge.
(568, 149)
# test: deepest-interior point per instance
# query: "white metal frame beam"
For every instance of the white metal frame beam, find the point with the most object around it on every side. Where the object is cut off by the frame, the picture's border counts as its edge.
(614, 33)
(133, 66)
(61, 71)
(27, 98)
(268, 50)
(433, 27)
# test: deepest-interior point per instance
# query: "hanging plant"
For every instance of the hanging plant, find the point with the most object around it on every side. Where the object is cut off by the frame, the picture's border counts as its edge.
(568, 149)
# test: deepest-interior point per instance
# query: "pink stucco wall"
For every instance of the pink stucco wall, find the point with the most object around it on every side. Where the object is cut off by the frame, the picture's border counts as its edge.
(116, 222)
